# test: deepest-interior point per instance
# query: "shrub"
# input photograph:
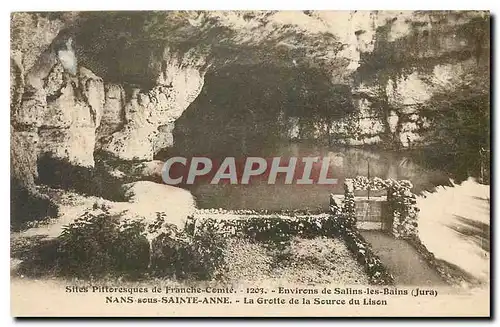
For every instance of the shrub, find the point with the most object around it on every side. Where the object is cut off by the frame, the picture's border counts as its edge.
(61, 173)
(201, 255)
(96, 245)
(169, 257)
(28, 207)
(99, 245)
(362, 251)
(208, 252)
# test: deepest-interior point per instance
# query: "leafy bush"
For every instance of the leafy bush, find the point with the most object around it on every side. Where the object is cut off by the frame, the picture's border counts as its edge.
(61, 173)
(169, 257)
(274, 229)
(208, 252)
(200, 255)
(362, 251)
(28, 207)
(98, 245)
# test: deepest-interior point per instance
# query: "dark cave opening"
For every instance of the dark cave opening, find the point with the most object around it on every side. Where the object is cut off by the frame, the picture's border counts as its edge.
(250, 110)
(268, 111)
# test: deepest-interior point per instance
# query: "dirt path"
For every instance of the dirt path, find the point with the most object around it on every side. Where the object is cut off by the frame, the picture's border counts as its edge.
(402, 260)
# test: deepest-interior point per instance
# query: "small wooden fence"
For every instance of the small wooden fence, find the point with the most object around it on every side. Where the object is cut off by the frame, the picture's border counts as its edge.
(373, 213)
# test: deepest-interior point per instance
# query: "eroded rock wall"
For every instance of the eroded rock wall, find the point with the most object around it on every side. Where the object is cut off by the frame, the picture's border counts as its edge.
(139, 124)
(70, 116)
(393, 62)
(405, 60)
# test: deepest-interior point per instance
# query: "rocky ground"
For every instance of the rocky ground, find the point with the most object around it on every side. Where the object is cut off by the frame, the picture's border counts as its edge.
(462, 225)
(303, 261)
(143, 200)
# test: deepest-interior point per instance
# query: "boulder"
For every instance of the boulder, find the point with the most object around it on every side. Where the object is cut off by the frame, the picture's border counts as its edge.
(149, 170)
(148, 198)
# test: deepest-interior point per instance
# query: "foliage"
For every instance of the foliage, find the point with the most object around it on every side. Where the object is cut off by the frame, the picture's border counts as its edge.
(275, 228)
(280, 229)
(95, 245)
(362, 251)
(459, 132)
(28, 207)
(402, 202)
(100, 244)
(207, 253)
(185, 254)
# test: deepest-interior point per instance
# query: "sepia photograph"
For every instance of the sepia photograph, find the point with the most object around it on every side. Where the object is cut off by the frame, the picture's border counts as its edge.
(235, 163)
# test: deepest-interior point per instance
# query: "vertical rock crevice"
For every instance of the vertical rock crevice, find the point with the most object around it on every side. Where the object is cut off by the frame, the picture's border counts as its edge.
(72, 116)
(147, 118)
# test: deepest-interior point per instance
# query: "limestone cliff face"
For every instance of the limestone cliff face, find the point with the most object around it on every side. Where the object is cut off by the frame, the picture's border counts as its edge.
(137, 73)
(139, 124)
(61, 116)
(69, 117)
(407, 60)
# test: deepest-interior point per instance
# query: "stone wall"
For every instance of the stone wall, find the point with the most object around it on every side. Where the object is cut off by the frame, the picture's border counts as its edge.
(400, 215)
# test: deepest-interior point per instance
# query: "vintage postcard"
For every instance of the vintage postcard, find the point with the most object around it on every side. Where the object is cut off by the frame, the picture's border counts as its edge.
(250, 163)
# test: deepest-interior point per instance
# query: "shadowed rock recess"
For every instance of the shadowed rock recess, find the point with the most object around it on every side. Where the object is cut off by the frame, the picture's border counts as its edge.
(94, 90)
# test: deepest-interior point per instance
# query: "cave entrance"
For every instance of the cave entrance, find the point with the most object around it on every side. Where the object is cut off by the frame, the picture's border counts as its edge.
(252, 110)
(269, 111)
(261, 111)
